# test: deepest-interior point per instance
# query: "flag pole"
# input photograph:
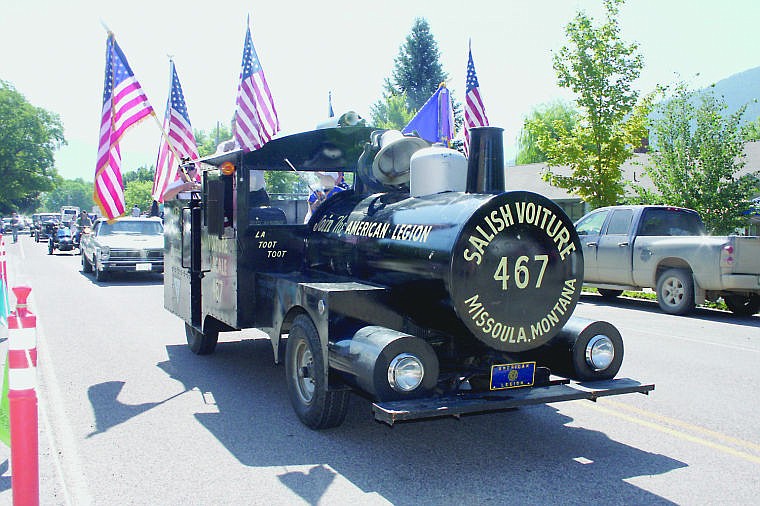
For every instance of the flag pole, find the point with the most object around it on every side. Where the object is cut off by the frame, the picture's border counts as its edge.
(163, 132)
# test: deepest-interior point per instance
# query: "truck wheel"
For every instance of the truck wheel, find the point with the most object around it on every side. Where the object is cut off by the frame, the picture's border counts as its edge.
(609, 294)
(675, 291)
(201, 343)
(315, 405)
(743, 305)
(86, 265)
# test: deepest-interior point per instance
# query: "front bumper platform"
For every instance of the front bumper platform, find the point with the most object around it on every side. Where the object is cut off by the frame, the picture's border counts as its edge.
(391, 412)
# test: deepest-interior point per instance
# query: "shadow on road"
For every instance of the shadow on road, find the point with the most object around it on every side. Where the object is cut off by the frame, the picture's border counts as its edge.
(651, 306)
(126, 279)
(529, 455)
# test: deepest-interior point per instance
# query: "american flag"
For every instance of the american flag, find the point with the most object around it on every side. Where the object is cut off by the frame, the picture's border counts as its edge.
(255, 116)
(180, 133)
(474, 110)
(124, 105)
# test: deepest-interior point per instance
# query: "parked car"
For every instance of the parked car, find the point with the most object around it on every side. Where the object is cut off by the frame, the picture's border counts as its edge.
(666, 249)
(126, 245)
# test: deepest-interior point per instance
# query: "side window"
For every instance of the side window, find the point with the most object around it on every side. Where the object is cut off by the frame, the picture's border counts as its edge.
(620, 222)
(592, 224)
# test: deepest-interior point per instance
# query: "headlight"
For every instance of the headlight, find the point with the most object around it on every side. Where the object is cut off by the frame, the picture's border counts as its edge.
(600, 352)
(405, 372)
(104, 252)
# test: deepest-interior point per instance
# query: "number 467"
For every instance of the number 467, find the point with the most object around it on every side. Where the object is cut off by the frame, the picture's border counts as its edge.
(521, 273)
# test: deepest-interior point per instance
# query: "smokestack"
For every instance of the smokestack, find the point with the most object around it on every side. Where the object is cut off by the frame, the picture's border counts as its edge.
(485, 168)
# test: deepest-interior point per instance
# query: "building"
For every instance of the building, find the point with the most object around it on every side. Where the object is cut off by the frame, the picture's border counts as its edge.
(528, 177)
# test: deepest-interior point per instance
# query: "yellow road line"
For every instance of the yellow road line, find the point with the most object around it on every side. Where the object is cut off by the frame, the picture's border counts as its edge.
(683, 435)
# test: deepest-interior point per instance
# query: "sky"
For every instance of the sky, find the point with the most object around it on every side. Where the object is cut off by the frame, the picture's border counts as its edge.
(53, 52)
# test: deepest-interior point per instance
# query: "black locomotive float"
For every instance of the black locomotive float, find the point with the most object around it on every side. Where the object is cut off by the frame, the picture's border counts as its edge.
(425, 287)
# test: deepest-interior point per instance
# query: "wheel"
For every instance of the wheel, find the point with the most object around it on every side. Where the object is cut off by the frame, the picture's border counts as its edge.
(315, 405)
(86, 265)
(675, 291)
(100, 274)
(743, 305)
(609, 294)
(201, 343)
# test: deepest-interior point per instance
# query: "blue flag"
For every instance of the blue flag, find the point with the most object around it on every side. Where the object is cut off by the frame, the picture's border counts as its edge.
(434, 122)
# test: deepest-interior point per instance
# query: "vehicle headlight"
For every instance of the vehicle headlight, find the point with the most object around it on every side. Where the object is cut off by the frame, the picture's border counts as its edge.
(405, 372)
(600, 352)
(104, 252)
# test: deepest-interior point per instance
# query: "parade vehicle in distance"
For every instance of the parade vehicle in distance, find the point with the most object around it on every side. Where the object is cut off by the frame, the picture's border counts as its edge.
(666, 248)
(425, 288)
(125, 245)
(60, 239)
(44, 226)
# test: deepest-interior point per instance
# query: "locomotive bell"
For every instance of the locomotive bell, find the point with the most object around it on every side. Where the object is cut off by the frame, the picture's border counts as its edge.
(391, 164)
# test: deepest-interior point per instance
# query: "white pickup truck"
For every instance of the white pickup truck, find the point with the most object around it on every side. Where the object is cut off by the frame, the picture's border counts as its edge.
(666, 249)
(126, 245)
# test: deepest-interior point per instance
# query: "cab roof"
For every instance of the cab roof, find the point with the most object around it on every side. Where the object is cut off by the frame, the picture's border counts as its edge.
(327, 149)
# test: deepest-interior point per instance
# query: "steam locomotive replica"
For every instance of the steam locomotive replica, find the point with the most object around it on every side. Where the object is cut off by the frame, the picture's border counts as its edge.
(425, 287)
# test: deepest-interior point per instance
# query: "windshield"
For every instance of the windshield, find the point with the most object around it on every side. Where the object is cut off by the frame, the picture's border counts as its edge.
(132, 228)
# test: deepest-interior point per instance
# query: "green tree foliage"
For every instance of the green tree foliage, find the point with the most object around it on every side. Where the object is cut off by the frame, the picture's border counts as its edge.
(543, 119)
(208, 141)
(393, 113)
(599, 68)
(699, 152)
(28, 137)
(68, 192)
(141, 174)
(138, 192)
(752, 131)
(417, 72)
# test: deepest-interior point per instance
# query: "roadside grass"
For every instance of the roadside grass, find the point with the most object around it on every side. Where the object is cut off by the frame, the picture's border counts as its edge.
(652, 296)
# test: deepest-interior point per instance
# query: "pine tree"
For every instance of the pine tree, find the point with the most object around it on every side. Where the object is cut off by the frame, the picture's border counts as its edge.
(416, 75)
(417, 71)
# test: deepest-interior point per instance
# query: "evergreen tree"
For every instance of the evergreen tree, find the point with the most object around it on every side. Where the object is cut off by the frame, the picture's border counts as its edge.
(417, 71)
(416, 76)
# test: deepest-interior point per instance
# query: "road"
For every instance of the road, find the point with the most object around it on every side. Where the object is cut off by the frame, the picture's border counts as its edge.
(130, 416)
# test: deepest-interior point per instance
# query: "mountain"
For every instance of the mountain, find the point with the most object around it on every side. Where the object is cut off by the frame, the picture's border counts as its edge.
(739, 89)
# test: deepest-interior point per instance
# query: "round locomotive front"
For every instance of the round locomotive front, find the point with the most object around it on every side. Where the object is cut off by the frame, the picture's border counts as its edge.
(508, 267)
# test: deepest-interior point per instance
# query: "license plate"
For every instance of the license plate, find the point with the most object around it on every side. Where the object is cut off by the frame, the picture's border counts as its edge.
(521, 374)
(143, 267)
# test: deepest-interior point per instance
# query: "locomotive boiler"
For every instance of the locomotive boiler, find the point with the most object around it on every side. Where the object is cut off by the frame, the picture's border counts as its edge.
(425, 286)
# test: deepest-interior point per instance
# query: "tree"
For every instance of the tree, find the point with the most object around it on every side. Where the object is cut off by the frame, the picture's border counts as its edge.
(141, 174)
(416, 75)
(392, 114)
(207, 142)
(28, 137)
(68, 192)
(699, 152)
(417, 71)
(540, 119)
(138, 193)
(752, 131)
(599, 68)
